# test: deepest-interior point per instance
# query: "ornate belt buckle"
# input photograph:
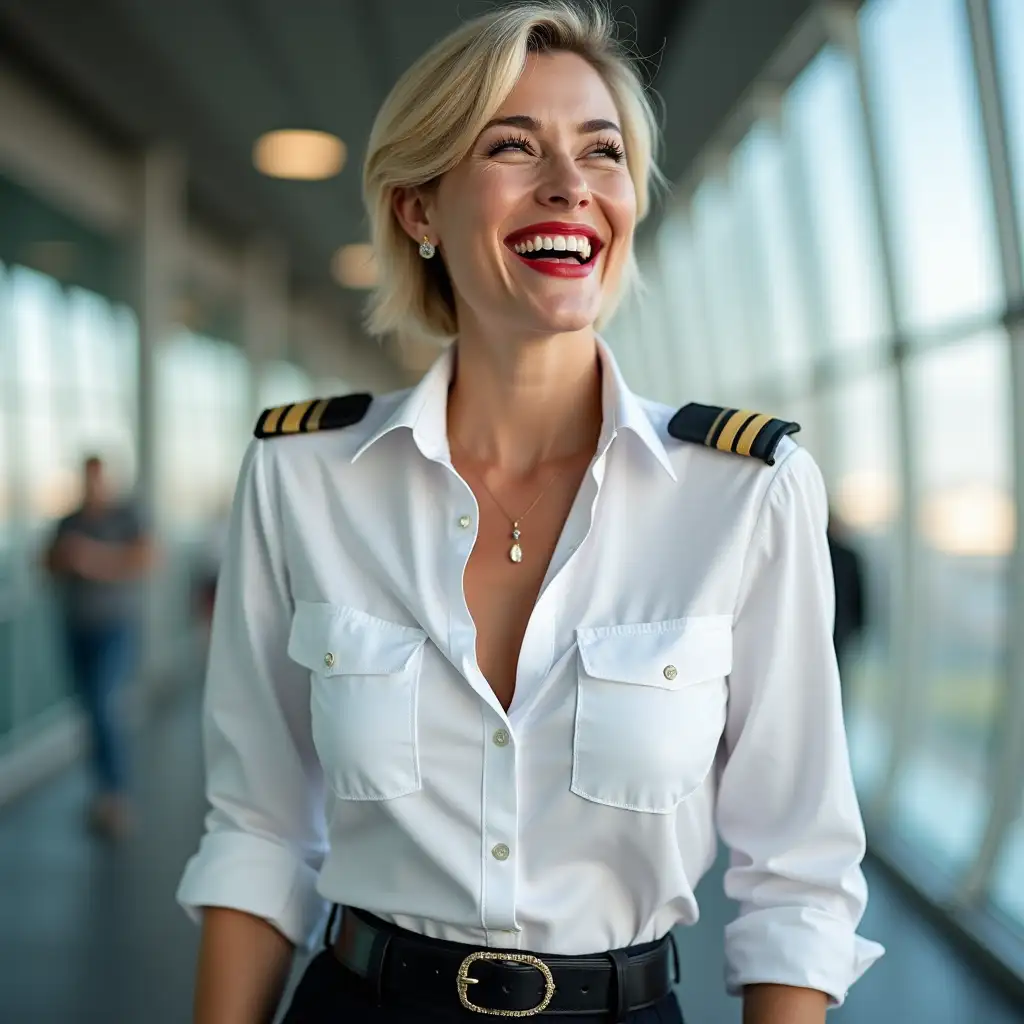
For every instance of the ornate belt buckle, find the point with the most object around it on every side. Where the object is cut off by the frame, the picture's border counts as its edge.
(463, 980)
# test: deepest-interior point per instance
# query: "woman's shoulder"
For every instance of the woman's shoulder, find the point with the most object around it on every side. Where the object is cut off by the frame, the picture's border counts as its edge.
(723, 447)
(350, 418)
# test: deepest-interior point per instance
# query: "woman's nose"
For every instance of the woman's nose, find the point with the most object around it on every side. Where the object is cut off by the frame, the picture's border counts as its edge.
(564, 187)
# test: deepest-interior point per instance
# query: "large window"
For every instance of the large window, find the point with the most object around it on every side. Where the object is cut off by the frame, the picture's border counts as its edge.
(68, 381)
(933, 159)
(715, 243)
(865, 506)
(777, 269)
(204, 421)
(965, 533)
(685, 311)
(781, 336)
(822, 115)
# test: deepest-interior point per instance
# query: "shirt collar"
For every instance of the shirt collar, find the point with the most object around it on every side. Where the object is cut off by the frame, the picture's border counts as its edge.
(424, 411)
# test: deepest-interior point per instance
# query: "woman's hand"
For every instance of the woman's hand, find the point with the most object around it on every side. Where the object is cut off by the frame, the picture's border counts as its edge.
(783, 1004)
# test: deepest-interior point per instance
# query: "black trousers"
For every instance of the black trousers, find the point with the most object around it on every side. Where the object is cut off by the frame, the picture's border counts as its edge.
(329, 993)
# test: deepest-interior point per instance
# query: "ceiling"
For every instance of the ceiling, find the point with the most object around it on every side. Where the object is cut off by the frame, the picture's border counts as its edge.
(212, 75)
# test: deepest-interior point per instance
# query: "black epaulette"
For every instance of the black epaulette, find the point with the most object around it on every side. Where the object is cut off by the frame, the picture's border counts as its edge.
(731, 430)
(312, 415)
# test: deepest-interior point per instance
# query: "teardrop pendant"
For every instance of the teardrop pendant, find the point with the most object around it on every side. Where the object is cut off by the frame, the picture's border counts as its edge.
(515, 552)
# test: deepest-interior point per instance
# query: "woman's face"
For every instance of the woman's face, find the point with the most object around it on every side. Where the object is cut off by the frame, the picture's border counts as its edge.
(536, 223)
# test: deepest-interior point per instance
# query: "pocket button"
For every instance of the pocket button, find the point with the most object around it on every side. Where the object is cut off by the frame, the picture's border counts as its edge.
(669, 672)
(500, 852)
(329, 660)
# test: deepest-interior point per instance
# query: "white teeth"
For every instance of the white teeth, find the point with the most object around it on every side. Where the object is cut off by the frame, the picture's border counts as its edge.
(556, 243)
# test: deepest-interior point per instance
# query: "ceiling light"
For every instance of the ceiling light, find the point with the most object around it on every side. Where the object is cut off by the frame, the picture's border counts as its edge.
(300, 155)
(355, 266)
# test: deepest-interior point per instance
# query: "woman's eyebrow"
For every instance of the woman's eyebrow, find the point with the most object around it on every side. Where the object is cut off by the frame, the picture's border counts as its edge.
(531, 124)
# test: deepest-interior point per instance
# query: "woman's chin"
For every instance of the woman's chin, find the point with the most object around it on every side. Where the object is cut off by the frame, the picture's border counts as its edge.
(554, 317)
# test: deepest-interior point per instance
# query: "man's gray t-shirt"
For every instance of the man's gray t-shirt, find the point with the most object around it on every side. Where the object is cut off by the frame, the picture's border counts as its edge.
(95, 602)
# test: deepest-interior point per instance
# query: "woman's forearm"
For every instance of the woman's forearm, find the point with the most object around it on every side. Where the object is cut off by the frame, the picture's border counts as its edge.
(783, 1004)
(242, 971)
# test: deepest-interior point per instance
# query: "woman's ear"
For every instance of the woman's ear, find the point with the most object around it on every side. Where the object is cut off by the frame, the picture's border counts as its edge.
(410, 206)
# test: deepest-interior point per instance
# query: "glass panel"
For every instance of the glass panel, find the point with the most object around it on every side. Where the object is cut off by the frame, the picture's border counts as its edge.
(918, 56)
(204, 383)
(965, 528)
(715, 251)
(48, 454)
(1008, 27)
(761, 194)
(685, 311)
(865, 505)
(823, 115)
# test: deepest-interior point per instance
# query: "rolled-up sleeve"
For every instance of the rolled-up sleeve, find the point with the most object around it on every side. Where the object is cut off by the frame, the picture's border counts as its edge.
(265, 836)
(786, 804)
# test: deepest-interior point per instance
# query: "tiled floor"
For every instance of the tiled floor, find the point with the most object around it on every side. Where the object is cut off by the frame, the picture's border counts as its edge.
(90, 934)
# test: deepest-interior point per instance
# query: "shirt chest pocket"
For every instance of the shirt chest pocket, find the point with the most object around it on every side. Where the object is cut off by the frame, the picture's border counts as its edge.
(364, 675)
(650, 710)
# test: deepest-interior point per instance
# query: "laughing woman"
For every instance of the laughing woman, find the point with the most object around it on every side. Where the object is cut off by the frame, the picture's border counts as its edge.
(495, 661)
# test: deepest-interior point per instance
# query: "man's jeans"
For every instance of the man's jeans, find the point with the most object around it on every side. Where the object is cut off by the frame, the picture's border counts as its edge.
(102, 659)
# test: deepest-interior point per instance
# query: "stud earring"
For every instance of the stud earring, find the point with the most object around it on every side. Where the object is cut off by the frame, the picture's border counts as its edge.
(427, 249)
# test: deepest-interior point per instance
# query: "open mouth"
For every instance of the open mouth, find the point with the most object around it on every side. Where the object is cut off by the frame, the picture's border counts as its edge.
(576, 249)
(572, 247)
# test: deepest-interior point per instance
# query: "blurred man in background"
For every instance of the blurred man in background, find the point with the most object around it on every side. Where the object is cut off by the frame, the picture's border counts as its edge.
(99, 555)
(848, 573)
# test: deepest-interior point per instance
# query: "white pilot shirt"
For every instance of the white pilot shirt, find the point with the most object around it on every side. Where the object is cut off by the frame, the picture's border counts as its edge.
(677, 677)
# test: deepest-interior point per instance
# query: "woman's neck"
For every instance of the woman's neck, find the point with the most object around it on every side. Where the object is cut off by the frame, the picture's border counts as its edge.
(517, 405)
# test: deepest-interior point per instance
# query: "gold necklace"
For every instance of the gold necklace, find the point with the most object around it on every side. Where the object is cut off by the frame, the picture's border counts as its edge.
(515, 553)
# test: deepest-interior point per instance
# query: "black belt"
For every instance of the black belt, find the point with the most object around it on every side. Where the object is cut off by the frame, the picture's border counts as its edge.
(402, 966)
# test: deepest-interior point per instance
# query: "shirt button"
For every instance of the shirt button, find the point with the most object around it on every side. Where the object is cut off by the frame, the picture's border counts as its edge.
(500, 852)
(464, 522)
(329, 659)
(501, 738)
(669, 672)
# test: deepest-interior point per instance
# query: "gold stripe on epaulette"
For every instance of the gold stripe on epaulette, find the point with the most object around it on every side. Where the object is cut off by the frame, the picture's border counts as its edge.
(273, 417)
(732, 428)
(313, 423)
(293, 419)
(749, 435)
(710, 439)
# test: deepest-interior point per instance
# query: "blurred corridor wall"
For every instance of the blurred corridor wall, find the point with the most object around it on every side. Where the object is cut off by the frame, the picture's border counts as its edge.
(157, 358)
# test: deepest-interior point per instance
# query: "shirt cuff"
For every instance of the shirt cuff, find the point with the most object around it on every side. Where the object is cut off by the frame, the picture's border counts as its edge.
(800, 946)
(246, 872)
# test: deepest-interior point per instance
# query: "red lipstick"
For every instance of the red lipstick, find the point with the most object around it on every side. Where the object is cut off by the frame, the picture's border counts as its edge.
(563, 268)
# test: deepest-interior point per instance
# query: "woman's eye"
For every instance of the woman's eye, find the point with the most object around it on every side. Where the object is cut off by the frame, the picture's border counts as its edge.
(510, 144)
(612, 150)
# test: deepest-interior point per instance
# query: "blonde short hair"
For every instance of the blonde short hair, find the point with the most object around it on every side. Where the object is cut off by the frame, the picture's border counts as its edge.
(439, 106)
